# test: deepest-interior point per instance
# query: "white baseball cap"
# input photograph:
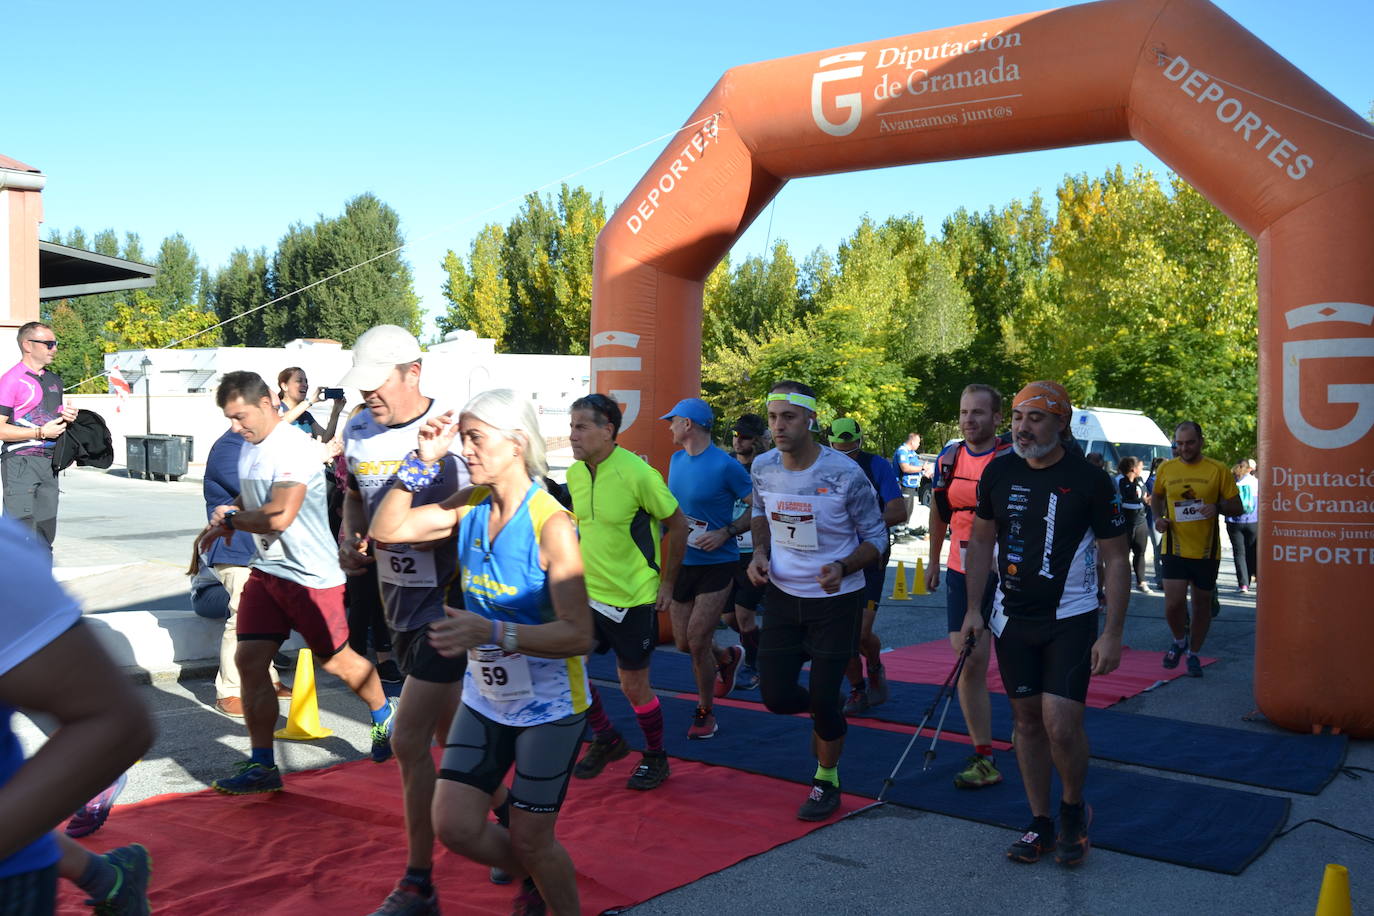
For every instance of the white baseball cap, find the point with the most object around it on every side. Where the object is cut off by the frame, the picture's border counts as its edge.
(377, 352)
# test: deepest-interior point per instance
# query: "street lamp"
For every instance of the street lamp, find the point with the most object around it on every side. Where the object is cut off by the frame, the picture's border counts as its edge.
(147, 367)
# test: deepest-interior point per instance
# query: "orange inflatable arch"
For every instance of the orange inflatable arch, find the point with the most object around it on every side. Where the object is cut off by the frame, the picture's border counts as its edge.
(1278, 154)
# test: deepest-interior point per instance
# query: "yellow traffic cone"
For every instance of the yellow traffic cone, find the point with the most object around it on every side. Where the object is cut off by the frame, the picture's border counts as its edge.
(1335, 895)
(303, 718)
(899, 592)
(919, 586)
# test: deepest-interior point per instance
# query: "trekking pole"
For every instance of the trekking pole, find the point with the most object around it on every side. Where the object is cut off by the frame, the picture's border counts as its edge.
(958, 670)
(930, 711)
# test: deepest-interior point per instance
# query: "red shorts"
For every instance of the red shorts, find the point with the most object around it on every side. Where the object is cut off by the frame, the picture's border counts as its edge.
(271, 607)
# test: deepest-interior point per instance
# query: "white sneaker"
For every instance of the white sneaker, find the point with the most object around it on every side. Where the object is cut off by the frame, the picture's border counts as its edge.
(1144, 589)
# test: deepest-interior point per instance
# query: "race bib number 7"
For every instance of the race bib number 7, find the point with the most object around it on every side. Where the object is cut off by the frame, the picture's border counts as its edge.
(796, 531)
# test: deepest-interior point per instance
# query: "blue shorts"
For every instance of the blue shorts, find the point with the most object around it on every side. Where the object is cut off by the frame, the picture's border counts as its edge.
(956, 599)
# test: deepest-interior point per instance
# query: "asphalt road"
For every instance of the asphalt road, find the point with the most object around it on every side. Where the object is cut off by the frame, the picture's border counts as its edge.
(886, 860)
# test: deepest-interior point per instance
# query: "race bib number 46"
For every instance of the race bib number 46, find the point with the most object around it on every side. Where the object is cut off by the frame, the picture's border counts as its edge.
(501, 676)
(1188, 510)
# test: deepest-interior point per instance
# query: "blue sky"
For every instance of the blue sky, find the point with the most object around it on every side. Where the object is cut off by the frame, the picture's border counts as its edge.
(229, 122)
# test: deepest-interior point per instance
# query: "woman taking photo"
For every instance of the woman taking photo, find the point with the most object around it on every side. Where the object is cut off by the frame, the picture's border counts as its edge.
(292, 388)
(524, 626)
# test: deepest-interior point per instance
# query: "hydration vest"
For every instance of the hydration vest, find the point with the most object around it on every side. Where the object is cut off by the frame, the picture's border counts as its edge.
(940, 493)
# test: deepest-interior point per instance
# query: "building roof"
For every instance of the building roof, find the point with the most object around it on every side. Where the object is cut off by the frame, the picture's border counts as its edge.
(64, 273)
(15, 165)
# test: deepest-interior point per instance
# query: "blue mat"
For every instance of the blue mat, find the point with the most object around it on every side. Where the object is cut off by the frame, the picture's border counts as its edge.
(1192, 824)
(1287, 762)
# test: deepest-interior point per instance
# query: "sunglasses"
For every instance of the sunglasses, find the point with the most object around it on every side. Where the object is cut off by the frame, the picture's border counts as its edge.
(50, 344)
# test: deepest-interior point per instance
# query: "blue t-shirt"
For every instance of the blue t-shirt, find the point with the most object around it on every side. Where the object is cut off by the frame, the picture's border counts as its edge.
(882, 476)
(907, 455)
(706, 487)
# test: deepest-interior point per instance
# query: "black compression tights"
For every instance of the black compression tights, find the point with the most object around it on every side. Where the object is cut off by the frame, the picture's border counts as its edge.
(779, 670)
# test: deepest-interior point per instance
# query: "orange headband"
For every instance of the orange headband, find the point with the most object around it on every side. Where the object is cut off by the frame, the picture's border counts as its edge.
(1044, 395)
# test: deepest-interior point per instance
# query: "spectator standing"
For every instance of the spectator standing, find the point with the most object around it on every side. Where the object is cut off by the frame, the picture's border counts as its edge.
(32, 415)
(1244, 528)
(907, 463)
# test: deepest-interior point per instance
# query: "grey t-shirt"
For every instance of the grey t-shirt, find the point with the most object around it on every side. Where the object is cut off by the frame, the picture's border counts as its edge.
(412, 581)
(306, 552)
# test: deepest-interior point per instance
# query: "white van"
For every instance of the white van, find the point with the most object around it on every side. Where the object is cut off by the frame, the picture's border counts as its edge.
(1114, 434)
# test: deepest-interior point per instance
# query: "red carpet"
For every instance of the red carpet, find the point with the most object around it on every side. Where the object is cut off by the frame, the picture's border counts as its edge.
(333, 842)
(931, 662)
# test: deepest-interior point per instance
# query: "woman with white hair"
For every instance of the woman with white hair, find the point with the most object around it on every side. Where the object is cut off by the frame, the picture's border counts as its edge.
(524, 625)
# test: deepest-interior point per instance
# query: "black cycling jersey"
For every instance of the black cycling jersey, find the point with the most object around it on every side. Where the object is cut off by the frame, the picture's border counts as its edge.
(1048, 521)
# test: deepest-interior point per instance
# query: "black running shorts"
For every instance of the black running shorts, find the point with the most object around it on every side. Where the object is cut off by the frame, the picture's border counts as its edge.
(418, 659)
(745, 594)
(479, 752)
(693, 581)
(632, 638)
(1047, 656)
(1202, 573)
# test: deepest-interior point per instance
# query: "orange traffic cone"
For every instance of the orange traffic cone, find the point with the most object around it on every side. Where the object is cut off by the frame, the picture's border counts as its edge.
(303, 718)
(1335, 895)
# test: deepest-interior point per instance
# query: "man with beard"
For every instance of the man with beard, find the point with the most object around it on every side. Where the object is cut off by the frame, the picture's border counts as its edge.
(1045, 609)
(816, 526)
(953, 499)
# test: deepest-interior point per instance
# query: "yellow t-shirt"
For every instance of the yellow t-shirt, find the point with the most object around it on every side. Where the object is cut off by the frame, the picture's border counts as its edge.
(1186, 488)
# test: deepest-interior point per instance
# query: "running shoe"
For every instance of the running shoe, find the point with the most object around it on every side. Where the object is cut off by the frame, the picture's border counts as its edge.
(129, 896)
(1194, 666)
(408, 900)
(858, 703)
(1144, 588)
(823, 801)
(500, 876)
(599, 753)
(389, 672)
(1071, 848)
(748, 677)
(1172, 655)
(877, 685)
(1245, 589)
(1036, 841)
(91, 816)
(977, 773)
(726, 673)
(250, 779)
(381, 733)
(651, 772)
(703, 724)
(529, 902)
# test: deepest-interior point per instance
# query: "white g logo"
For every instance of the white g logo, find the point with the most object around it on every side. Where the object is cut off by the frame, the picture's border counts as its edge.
(1295, 351)
(850, 101)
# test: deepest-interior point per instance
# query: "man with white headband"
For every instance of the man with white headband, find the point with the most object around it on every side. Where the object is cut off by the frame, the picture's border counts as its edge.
(816, 526)
(1048, 513)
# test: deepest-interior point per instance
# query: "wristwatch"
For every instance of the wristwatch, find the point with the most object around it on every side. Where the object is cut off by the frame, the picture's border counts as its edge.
(228, 519)
(508, 640)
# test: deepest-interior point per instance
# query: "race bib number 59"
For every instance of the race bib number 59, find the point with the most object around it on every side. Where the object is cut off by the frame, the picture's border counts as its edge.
(501, 676)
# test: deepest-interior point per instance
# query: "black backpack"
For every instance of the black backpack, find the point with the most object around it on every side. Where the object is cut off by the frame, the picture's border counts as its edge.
(940, 493)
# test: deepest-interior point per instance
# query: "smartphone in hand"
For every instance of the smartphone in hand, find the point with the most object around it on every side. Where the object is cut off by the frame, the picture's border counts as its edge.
(333, 394)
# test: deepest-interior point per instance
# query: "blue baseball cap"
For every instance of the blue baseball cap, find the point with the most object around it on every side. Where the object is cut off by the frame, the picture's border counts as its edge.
(694, 409)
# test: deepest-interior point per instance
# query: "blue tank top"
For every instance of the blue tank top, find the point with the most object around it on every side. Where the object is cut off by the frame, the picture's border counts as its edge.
(503, 580)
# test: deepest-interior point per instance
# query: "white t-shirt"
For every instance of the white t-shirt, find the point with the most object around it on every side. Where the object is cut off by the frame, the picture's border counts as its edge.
(815, 516)
(306, 552)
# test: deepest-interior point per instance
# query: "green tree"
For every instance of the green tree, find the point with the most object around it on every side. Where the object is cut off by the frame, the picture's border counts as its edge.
(343, 275)
(239, 289)
(479, 297)
(178, 275)
(144, 323)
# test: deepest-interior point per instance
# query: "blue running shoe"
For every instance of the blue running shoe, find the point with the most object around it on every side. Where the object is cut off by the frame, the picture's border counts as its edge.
(129, 897)
(251, 779)
(748, 677)
(381, 733)
(92, 815)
